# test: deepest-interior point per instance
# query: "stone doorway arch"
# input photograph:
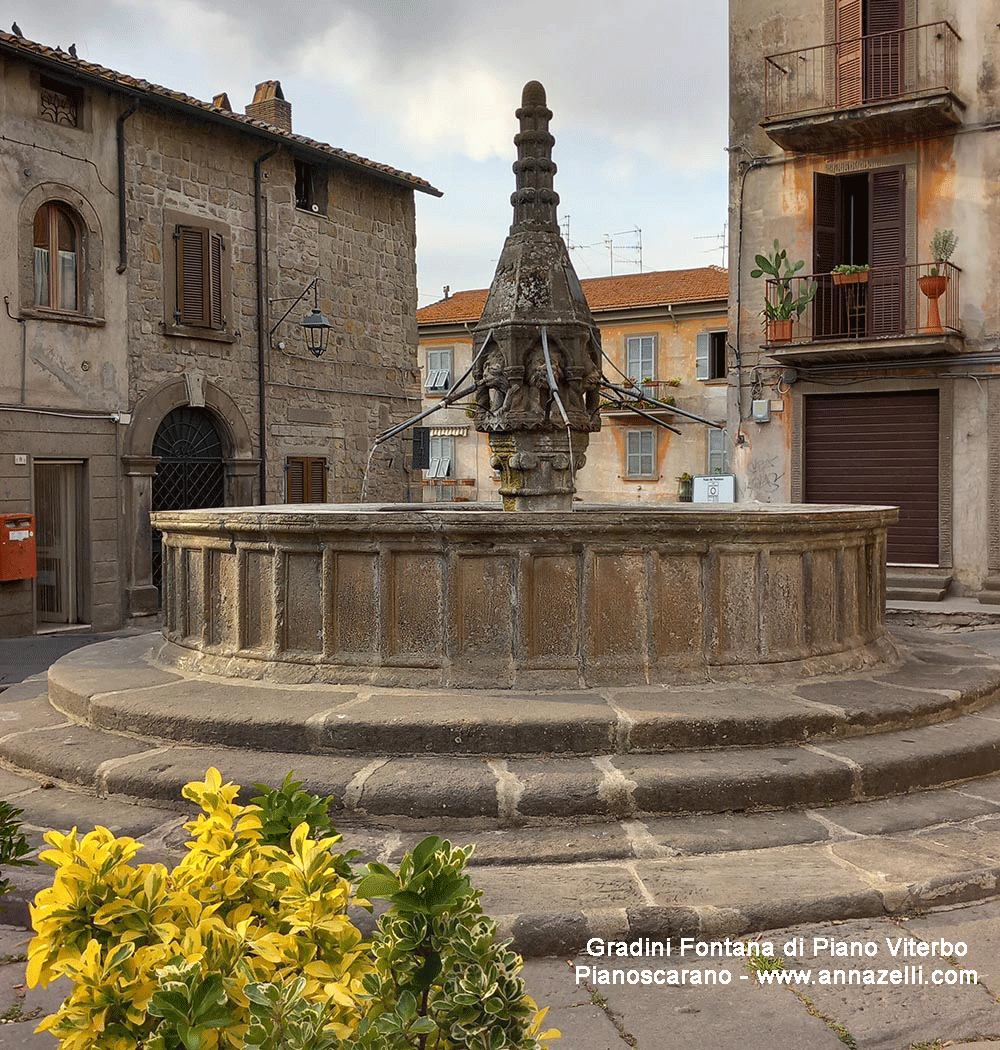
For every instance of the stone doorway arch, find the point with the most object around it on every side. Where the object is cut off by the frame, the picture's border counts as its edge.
(140, 461)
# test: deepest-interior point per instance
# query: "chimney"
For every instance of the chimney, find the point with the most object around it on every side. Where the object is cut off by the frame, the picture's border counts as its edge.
(269, 105)
(221, 101)
(447, 290)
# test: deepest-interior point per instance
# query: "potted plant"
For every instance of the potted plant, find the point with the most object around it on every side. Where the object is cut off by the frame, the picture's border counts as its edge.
(934, 283)
(781, 311)
(848, 273)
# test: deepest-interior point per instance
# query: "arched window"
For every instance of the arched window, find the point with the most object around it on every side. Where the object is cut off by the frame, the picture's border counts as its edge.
(57, 257)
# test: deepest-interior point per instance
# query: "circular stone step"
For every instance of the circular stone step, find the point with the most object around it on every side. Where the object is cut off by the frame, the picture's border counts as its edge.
(119, 725)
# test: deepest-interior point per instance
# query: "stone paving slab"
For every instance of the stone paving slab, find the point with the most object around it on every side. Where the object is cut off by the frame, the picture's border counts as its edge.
(30, 712)
(907, 812)
(740, 1013)
(892, 1017)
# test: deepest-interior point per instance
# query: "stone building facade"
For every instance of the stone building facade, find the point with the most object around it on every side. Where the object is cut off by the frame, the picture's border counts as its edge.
(665, 329)
(152, 244)
(860, 129)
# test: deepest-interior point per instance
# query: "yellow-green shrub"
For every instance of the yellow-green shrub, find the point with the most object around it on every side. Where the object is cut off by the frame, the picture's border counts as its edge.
(241, 910)
(246, 943)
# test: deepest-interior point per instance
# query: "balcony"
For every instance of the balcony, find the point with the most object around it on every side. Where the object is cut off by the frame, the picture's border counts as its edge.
(638, 395)
(863, 91)
(885, 312)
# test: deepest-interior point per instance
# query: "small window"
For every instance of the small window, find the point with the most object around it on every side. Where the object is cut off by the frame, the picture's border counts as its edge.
(57, 258)
(439, 366)
(305, 479)
(200, 254)
(310, 187)
(718, 457)
(711, 355)
(640, 453)
(640, 360)
(442, 456)
(59, 103)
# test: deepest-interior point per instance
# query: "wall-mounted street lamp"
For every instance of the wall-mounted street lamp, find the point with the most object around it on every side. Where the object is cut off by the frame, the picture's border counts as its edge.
(316, 327)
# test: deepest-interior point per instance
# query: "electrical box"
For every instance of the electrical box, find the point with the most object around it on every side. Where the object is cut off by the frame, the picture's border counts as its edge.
(762, 411)
(18, 560)
(714, 488)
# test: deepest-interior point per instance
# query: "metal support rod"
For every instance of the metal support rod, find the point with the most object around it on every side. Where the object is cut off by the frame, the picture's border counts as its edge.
(552, 379)
(453, 395)
(400, 427)
(664, 405)
(311, 286)
(646, 415)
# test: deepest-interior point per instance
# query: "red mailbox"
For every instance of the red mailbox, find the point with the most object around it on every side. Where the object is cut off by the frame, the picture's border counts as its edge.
(18, 560)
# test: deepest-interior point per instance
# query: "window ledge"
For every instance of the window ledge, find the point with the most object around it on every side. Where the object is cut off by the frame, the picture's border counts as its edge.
(307, 209)
(190, 332)
(39, 313)
(641, 478)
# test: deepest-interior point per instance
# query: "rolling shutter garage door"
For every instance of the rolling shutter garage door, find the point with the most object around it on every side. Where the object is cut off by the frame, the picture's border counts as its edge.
(883, 449)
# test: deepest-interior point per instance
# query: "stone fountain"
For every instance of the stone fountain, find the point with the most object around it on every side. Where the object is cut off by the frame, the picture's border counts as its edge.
(624, 686)
(549, 595)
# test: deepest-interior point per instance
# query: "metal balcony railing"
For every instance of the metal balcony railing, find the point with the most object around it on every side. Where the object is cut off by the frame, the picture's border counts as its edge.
(878, 303)
(637, 393)
(868, 69)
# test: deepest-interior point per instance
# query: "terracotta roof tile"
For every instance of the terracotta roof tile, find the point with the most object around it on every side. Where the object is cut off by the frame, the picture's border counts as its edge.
(28, 49)
(658, 288)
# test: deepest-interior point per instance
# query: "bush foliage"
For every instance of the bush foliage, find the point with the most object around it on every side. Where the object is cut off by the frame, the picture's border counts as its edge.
(247, 943)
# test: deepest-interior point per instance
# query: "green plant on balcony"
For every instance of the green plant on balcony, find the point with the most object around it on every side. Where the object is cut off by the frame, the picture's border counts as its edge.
(942, 245)
(783, 306)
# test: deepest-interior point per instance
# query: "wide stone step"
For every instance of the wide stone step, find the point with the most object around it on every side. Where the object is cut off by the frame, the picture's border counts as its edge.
(115, 686)
(712, 876)
(512, 791)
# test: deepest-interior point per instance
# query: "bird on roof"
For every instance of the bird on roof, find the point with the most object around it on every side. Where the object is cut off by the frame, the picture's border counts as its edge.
(16, 29)
(72, 50)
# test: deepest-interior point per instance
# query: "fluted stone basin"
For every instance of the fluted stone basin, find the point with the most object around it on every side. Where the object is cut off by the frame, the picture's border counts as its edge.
(475, 598)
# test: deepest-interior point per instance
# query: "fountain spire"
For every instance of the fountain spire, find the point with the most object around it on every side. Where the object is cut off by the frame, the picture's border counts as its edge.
(537, 350)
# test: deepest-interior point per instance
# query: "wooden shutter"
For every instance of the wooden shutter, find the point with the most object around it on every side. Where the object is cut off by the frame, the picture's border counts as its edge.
(826, 250)
(295, 484)
(886, 252)
(193, 287)
(216, 248)
(702, 370)
(883, 58)
(848, 52)
(317, 481)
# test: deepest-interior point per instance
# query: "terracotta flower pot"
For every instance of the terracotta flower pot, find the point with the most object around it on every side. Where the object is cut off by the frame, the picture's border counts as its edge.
(933, 286)
(779, 331)
(861, 277)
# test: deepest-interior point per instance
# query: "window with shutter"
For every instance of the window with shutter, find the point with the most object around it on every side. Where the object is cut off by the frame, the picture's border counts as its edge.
(848, 52)
(439, 368)
(710, 355)
(305, 479)
(442, 456)
(883, 55)
(640, 453)
(859, 220)
(718, 460)
(200, 278)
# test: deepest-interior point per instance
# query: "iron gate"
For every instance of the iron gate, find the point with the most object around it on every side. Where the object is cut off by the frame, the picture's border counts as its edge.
(191, 474)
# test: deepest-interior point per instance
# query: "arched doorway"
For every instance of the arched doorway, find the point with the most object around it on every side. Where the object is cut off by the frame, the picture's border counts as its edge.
(191, 471)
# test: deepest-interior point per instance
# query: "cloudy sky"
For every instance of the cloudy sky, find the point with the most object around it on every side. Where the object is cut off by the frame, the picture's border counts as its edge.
(638, 92)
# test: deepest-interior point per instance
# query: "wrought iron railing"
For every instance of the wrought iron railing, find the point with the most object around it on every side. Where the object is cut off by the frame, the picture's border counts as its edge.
(638, 393)
(881, 302)
(868, 69)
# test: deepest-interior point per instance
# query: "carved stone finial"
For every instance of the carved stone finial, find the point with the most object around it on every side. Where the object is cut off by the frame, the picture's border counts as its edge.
(534, 200)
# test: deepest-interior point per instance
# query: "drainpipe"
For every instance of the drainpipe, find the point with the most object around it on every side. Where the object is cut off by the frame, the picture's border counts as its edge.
(258, 206)
(120, 137)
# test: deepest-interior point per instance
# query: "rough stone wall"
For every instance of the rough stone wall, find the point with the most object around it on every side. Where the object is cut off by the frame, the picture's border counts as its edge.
(362, 250)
